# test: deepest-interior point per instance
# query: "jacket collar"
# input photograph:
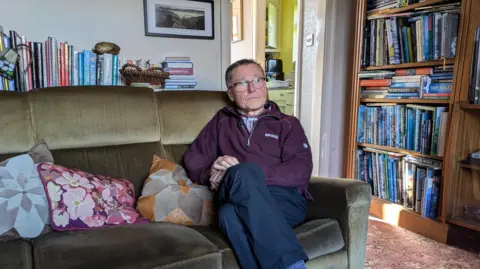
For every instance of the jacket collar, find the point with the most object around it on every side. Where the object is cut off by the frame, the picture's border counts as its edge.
(271, 110)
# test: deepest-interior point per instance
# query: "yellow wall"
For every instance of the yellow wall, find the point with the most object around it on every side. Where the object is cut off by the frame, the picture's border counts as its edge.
(286, 34)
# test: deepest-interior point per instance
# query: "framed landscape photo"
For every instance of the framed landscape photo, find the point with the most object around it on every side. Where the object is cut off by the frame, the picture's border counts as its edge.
(179, 18)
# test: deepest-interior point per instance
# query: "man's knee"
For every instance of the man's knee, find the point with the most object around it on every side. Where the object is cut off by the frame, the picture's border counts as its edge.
(250, 170)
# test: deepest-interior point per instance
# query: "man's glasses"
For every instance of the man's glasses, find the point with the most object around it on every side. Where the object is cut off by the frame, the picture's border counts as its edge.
(242, 86)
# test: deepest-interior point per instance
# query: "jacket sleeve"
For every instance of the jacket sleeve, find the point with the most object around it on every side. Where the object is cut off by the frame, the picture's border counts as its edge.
(201, 154)
(296, 167)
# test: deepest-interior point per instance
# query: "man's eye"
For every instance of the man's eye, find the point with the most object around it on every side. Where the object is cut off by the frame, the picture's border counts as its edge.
(243, 83)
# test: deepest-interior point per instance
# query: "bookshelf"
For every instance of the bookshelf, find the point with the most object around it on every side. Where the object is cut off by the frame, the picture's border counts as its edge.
(411, 7)
(400, 151)
(55, 62)
(411, 65)
(380, 149)
(464, 188)
(403, 101)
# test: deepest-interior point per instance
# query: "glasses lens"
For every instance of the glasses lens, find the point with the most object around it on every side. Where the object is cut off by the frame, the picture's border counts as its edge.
(242, 86)
(257, 82)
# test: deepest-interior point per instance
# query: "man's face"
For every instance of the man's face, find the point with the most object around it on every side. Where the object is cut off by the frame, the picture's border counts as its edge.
(249, 90)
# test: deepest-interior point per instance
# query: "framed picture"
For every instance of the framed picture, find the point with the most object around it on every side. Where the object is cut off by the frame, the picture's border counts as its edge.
(237, 20)
(179, 18)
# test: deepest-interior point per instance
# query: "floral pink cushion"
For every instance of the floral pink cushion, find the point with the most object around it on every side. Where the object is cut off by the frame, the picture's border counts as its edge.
(79, 200)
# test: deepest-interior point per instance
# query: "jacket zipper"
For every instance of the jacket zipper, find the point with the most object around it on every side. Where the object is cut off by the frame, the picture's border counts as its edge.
(251, 132)
(253, 128)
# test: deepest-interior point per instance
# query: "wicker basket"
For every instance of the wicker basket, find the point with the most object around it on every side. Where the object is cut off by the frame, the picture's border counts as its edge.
(134, 74)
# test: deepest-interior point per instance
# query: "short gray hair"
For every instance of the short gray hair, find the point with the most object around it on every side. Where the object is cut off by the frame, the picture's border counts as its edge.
(229, 72)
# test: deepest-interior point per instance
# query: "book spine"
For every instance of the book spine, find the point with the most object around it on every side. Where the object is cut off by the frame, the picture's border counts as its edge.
(66, 71)
(86, 67)
(71, 53)
(81, 80)
(75, 68)
(30, 62)
(115, 70)
(41, 65)
(101, 70)
(61, 67)
(179, 71)
(93, 68)
(47, 64)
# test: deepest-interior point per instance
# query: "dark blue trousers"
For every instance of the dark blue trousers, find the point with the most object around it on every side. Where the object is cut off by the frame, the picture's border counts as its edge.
(258, 219)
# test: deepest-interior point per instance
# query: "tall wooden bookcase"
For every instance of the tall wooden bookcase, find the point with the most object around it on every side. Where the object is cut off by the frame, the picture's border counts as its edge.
(397, 214)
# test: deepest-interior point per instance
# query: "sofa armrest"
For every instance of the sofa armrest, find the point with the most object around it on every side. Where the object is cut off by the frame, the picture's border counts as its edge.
(347, 201)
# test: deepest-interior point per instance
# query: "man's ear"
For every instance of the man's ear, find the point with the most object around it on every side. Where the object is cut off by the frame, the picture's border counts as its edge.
(230, 96)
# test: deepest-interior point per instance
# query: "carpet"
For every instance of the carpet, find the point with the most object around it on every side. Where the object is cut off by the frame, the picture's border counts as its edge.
(391, 247)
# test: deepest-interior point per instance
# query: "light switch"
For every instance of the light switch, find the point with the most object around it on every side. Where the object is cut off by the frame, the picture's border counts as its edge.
(309, 40)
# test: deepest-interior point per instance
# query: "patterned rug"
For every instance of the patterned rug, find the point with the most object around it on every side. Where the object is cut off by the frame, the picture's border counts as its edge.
(391, 247)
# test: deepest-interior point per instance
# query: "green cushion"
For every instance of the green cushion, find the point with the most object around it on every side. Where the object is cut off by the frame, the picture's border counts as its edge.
(320, 237)
(16, 254)
(138, 246)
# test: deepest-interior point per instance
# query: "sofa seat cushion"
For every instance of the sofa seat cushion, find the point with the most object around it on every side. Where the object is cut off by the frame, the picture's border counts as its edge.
(151, 245)
(320, 237)
(215, 236)
(15, 254)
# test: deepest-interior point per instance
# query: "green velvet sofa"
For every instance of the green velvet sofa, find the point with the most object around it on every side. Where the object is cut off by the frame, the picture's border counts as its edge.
(115, 131)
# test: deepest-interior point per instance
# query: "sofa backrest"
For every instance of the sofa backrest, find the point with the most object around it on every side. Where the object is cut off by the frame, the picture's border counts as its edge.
(182, 116)
(113, 131)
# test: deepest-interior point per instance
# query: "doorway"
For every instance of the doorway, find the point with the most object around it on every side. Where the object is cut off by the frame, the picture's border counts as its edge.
(268, 32)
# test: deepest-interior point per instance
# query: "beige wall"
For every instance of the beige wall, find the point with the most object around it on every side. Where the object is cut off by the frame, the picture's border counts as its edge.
(244, 49)
(337, 80)
(325, 81)
(86, 22)
(253, 44)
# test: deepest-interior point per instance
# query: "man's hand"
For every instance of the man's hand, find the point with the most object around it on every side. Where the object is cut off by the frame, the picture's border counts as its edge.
(216, 179)
(218, 169)
(223, 163)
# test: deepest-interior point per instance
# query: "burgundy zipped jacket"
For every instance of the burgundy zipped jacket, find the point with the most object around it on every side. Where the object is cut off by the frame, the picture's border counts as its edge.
(277, 144)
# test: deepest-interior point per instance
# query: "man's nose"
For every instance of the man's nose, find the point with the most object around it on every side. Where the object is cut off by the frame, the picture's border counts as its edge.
(250, 87)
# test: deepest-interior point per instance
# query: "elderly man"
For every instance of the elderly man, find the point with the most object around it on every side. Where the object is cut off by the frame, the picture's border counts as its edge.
(260, 162)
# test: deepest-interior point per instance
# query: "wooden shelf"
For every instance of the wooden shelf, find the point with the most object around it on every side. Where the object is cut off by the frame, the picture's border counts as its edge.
(470, 224)
(401, 151)
(411, 7)
(410, 65)
(468, 165)
(398, 215)
(404, 208)
(468, 106)
(404, 101)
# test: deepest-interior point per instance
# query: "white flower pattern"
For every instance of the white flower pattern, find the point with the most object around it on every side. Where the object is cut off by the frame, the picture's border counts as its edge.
(23, 202)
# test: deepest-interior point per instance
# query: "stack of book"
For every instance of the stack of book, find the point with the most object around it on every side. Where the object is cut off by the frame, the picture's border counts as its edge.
(411, 181)
(440, 86)
(428, 33)
(412, 127)
(379, 5)
(181, 73)
(413, 83)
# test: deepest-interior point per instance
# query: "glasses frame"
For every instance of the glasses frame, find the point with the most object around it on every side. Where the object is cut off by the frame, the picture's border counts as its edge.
(249, 82)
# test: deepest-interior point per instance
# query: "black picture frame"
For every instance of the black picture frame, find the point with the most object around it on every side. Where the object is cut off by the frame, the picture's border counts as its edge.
(209, 20)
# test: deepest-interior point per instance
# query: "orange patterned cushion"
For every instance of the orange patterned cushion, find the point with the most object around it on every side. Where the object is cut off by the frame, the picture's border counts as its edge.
(168, 195)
